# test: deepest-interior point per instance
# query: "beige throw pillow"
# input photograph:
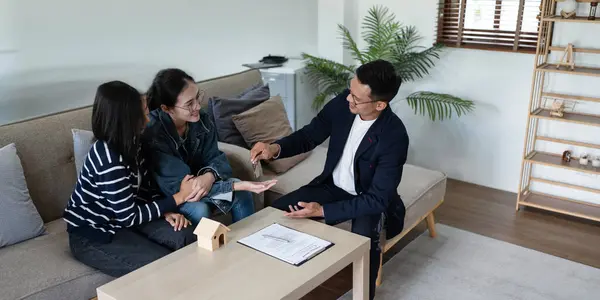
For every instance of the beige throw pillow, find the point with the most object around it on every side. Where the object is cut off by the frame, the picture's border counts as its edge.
(268, 122)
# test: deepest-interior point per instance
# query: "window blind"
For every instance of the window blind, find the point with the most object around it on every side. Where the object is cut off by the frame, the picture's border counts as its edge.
(503, 25)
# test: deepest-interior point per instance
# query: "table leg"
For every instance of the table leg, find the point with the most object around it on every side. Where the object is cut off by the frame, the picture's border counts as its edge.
(360, 278)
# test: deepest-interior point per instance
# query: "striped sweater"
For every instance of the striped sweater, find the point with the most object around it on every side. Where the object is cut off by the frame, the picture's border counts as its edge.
(109, 196)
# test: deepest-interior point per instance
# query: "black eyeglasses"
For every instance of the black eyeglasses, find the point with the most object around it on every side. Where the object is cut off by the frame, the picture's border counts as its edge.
(356, 103)
(198, 100)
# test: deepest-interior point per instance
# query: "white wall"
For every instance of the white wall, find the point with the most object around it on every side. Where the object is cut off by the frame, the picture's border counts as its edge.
(70, 46)
(485, 147)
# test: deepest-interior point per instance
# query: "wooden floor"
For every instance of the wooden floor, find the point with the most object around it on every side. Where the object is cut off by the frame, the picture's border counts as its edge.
(492, 213)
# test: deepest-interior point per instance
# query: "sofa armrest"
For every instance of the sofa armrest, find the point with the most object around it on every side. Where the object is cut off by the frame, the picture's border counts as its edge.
(239, 159)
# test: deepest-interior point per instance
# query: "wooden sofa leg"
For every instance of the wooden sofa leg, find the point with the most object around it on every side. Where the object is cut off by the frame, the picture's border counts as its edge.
(431, 225)
(380, 273)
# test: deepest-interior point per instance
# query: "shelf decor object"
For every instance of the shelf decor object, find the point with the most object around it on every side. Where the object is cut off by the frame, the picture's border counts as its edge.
(569, 9)
(593, 8)
(567, 59)
(556, 111)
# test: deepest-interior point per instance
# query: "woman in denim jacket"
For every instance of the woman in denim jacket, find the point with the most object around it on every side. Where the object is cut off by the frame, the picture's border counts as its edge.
(183, 141)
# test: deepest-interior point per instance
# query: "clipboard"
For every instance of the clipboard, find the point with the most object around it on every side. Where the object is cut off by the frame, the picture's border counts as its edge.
(286, 244)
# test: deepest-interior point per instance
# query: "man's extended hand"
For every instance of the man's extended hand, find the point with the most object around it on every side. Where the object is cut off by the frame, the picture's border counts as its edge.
(306, 210)
(202, 185)
(262, 151)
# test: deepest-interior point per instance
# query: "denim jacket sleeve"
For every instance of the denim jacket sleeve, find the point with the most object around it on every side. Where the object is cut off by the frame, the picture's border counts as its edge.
(168, 170)
(214, 159)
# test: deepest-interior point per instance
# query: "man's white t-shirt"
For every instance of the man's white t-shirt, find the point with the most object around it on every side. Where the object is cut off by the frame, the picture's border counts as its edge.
(343, 174)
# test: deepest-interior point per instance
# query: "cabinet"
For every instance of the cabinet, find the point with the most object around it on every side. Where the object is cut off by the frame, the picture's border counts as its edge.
(537, 188)
(291, 83)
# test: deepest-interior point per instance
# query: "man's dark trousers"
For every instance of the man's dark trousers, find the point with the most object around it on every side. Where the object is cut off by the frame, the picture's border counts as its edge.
(368, 226)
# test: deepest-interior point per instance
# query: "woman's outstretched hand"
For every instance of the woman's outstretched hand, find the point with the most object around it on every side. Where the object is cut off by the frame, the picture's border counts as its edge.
(178, 221)
(253, 186)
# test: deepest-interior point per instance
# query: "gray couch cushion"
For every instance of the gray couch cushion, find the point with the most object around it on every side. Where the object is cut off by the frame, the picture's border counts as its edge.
(46, 152)
(256, 92)
(43, 268)
(19, 219)
(82, 142)
(417, 181)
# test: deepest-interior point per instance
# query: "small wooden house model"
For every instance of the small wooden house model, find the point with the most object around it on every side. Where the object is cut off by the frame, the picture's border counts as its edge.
(211, 234)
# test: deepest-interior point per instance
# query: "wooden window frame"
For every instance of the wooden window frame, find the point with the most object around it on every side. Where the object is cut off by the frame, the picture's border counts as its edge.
(477, 35)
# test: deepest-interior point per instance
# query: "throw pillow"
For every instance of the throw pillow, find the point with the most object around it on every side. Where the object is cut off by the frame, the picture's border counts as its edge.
(268, 122)
(257, 92)
(82, 142)
(19, 219)
(223, 110)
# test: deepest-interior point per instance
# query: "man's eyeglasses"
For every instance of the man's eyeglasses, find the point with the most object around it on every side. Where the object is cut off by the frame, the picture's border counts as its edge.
(196, 101)
(356, 102)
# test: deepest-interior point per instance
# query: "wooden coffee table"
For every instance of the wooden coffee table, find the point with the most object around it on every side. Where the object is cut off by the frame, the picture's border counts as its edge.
(238, 272)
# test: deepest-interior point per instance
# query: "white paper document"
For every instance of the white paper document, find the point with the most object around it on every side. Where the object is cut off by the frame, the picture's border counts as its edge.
(286, 244)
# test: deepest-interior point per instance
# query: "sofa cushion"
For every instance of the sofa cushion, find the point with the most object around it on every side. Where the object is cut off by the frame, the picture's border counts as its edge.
(82, 142)
(19, 219)
(417, 181)
(223, 110)
(43, 268)
(256, 92)
(46, 152)
(268, 122)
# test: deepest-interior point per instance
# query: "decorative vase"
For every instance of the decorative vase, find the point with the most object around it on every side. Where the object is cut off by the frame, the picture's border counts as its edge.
(583, 160)
(568, 8)
(596, 162)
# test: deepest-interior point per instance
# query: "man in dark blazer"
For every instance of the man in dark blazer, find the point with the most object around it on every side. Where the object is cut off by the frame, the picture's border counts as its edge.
(367, 151)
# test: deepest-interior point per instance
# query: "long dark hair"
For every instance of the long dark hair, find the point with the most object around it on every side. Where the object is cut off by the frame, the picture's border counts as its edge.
(118, 119)
(166, 86)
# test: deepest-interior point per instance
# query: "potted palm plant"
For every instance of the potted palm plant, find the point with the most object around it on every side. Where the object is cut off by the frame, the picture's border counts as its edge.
(386, 39)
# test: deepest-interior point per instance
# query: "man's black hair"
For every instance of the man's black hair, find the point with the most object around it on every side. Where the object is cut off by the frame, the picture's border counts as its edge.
(381, 77)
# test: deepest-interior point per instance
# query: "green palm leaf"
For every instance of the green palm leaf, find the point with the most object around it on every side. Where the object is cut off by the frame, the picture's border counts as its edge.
(350, 44)
(439, 106)
(380, 31)
(377, 18)
(329, 76)
(407, 40)
(411, 65)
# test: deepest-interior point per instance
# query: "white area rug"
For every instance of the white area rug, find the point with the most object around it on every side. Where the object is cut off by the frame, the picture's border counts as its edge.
(462, 265)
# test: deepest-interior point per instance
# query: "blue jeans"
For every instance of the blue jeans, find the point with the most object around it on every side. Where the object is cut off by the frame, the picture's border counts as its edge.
(242, 206)
(130, 248)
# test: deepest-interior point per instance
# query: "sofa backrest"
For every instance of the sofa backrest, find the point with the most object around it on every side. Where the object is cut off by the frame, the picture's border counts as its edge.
(45, 145)
(229, 85)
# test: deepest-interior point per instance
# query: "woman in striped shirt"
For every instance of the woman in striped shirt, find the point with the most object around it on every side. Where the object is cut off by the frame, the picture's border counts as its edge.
(115, 222)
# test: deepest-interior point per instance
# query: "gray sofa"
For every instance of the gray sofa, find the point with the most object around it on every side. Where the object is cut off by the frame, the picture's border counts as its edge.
(43, 268)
